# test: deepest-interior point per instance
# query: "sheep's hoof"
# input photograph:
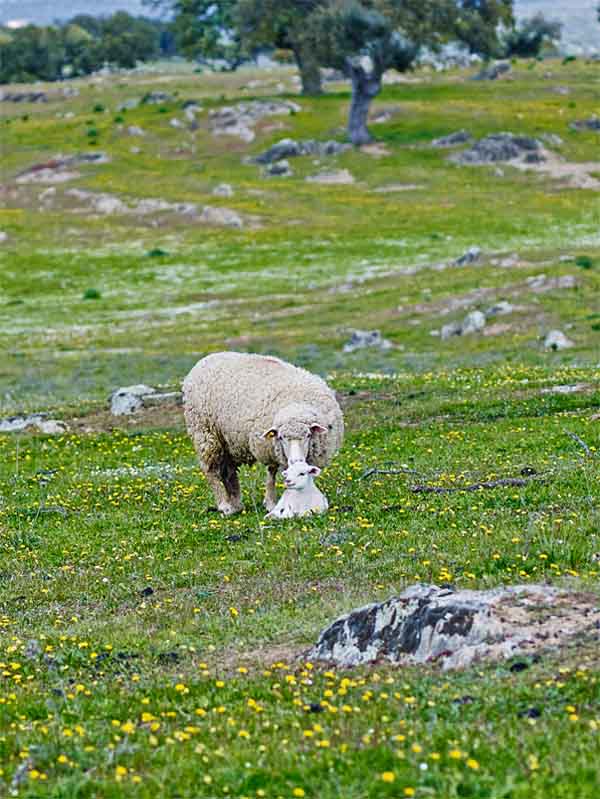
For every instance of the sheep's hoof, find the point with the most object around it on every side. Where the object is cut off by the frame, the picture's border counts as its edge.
(227, 509)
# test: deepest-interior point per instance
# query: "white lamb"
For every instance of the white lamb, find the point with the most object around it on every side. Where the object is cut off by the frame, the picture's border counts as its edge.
(241, 409)
(301, 496)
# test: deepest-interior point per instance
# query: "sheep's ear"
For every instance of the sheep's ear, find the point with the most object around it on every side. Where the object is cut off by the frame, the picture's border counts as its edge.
(317, 428)
(314, 470)
(272, 433)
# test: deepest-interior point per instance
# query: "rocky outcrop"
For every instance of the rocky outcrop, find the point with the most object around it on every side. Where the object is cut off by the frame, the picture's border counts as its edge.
(455, 628)
(33, 421)
(239, 120)
(499, 147)
(129, 399)
(290, 148)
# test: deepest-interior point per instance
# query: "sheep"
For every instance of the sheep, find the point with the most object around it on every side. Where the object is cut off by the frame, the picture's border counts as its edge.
(301, 496)
(242, 409)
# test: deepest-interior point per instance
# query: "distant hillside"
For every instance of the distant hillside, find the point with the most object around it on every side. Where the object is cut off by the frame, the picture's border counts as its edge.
(581, 32)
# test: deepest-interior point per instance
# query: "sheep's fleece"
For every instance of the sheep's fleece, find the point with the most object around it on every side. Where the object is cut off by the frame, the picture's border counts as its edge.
(231, 400)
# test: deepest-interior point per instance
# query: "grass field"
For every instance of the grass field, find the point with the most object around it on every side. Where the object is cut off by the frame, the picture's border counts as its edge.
(149, 647)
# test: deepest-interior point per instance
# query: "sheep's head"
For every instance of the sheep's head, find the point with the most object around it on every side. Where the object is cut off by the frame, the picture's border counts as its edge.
(291, 439)
(300, 474)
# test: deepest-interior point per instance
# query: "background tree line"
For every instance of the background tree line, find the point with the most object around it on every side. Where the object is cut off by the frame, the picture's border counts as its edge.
(81, 46)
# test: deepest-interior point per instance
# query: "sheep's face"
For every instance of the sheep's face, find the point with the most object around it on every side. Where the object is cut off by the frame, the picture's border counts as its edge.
(294, 440)
(299, 474)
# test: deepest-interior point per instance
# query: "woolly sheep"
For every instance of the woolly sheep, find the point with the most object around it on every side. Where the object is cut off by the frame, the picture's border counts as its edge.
(301, 496)
(241, 409)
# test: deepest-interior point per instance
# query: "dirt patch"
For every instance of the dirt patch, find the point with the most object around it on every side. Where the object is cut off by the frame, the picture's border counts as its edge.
(166, 415)
(573, 175)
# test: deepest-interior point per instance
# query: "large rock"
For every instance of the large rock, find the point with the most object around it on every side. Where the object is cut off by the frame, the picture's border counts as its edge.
(224, 217)
(129, 399)
(239, 120)
(290, 148)
(500, 147)
(34, 421)
(365, 339)
(556, 340)
(428, 624)
(593, 123)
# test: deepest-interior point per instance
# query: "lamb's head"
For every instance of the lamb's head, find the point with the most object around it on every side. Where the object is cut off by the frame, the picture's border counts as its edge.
(299, 475)
(293, 429)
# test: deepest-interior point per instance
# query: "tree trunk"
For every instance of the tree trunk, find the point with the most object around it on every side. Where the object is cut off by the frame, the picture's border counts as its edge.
(365, 86)
(310, 72)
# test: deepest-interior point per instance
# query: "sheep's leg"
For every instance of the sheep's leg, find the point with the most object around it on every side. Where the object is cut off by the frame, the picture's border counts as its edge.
(270, 491)
(229, 477)
(217, 466)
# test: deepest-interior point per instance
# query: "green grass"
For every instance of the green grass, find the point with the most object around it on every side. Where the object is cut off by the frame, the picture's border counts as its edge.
(149, 647)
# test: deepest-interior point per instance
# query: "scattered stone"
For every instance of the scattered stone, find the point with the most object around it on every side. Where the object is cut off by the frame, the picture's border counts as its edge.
(280, 169)
(472, 256)
(499, 147)
(541, 283)
(223, 190)
(450, 330)
(556, 340)
(23, 97)
(35, 421)
(494, 71)
(593, 123)
(191, 110)
(221, 216)
(135, 130)
(394, 187)
(56, 170)
(340, 176)
(453, 139)
(363, 339)
(129, 105)
(552, 139)
(128, 399)
(176, 123)
(239, 120)
(156, 98)
(3, 237)
(500, 309)
(290, 148)
(473, 322)
(576, 389)
(456, 628)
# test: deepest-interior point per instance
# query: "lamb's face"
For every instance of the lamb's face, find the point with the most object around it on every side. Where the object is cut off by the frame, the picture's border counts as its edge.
(299, 475)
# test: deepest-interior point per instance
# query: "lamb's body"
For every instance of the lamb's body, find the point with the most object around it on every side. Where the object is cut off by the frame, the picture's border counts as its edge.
(301, 496)
(241, 408)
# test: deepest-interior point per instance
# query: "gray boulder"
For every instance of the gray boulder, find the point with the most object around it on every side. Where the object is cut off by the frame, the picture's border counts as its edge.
(128, 399)
(33, 421)
(473, 322)
(500, 147)
(472, 255)
(455, 628)
(290, 148)
(593, 123)
(363, 339)
(556, 340)
(279, 169)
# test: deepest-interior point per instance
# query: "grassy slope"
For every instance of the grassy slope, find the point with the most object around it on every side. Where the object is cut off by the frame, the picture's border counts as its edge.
(138, 631)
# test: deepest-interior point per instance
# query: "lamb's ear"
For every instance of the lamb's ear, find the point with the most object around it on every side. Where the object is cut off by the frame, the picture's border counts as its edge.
(314, 470)
(272, 433)
(317, 428)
